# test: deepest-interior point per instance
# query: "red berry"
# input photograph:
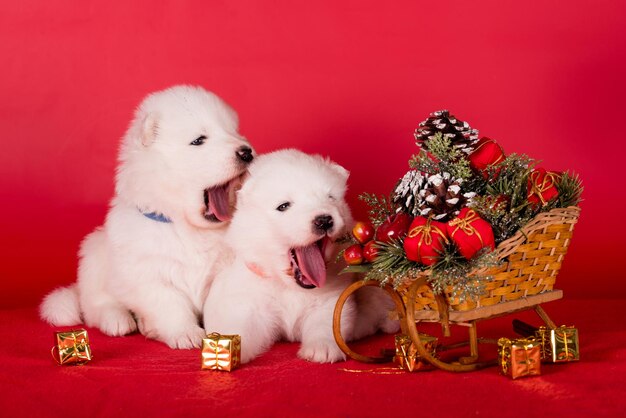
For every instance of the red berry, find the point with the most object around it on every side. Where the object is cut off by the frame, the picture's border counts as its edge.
(363, 232)
(395, 227)
(353, 255)
(370, 251)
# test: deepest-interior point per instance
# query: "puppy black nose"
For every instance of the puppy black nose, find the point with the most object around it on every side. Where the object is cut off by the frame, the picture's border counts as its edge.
(245, 154)
(323, 222)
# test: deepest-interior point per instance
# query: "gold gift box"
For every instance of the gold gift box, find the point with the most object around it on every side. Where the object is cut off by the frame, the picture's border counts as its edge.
(408, 358)
(520, 357)
(558, 345)
(72, 347)
(221, 352)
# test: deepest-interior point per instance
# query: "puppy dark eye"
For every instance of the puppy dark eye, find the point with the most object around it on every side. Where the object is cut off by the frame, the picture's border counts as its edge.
(198, 141)
(283, 207)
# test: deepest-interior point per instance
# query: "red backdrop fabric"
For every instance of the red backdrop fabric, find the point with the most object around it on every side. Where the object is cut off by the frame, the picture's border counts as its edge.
(348, 79)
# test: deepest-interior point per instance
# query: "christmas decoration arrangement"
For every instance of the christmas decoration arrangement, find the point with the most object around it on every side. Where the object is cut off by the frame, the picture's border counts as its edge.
(450, 214)
(221, 352)
(71, 347)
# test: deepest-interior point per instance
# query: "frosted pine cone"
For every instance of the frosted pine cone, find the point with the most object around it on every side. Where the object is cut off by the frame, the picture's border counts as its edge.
(438, 196)
(461, 135)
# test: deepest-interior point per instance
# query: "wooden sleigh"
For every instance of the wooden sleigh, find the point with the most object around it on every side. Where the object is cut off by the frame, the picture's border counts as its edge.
(531, 260)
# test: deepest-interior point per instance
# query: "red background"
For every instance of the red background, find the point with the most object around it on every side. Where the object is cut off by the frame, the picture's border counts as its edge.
(347, 79)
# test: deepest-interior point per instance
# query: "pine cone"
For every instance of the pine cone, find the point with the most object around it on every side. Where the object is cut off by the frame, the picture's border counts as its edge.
(438, 196)
(459, 132)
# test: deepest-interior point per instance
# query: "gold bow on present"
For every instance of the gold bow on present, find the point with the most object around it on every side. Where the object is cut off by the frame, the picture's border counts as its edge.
(72, 347)
(221, 352)
(465, 225)
(538, 188)
(426, 231)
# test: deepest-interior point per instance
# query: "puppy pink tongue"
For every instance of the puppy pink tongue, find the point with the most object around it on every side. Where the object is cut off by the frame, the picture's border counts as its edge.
(312, 265)
(218, 202)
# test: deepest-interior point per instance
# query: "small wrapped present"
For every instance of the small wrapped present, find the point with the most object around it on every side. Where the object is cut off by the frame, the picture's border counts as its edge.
(487, 153)
(542, 186)
(470, 233)
(520, 357)
(72, 347)
(425, 240)
(221, 352)
(559, 345)
(408, 358)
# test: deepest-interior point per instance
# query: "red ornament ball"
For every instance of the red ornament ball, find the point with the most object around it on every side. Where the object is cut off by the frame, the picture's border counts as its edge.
(363, 232)
(353, 255)
(395, 227)
(370, 251)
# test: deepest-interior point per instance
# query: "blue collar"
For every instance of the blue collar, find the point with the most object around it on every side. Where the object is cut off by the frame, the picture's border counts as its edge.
(156, 216)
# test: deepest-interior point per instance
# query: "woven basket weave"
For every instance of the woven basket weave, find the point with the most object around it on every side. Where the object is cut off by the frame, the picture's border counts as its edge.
(531, 260)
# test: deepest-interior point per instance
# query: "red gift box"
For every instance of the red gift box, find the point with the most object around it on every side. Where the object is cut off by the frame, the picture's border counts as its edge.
(542, 186)
(470, 233)
(425, 240)
(487, 153)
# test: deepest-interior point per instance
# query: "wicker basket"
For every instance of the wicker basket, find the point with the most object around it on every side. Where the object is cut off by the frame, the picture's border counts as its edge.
(531, 261)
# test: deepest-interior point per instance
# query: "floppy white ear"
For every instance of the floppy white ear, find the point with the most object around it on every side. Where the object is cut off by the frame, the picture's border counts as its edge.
(340, 170)
(149, 129)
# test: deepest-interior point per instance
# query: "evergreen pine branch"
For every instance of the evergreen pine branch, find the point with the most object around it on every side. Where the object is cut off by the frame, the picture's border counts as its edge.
(422, 162)
(391, 265)
(464, 279)
(570, 190)
(379, 207)
(447, 159)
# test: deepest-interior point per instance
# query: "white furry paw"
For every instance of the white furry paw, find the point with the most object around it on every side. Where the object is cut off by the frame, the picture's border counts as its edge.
(117, 322)
(321, 352)
(190, 338)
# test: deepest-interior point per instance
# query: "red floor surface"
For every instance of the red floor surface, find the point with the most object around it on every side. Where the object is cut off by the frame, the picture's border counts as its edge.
(132, 376)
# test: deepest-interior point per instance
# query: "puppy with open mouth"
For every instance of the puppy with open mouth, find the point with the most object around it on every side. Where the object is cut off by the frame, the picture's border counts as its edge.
(283, 282)
(150, 265)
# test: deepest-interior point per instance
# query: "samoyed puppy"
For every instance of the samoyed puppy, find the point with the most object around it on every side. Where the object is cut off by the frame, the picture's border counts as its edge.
(150, 265)
(283, 283)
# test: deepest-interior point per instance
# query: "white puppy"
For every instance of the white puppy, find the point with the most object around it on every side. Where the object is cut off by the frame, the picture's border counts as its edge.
(290, 211)
(153, 259)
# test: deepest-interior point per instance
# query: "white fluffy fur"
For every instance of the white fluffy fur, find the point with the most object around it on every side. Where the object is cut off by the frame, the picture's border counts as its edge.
(135, 272)
(257, 296)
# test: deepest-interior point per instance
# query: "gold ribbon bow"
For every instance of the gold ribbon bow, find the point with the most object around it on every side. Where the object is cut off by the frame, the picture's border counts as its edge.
(539, 188)
(426, 230)
(465, 224)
